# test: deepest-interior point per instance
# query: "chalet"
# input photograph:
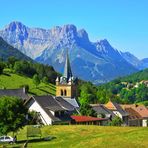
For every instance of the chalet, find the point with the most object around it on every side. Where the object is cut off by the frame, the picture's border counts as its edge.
(103, 111)
(134, 118)
(118, 111)
(19, 93)
(51, 110)
(141, 110)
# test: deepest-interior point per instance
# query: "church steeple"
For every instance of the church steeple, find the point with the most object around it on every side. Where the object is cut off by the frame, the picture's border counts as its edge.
(67, 68)
(65, 85)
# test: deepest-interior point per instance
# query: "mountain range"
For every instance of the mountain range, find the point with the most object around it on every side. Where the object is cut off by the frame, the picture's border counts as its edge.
(97, 62)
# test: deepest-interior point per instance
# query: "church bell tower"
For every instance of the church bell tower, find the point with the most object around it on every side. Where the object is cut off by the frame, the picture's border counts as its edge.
(65, 85)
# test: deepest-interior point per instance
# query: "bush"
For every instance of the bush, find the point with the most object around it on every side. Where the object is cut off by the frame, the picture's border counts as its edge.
(116, 121)
(2, 66)
(86, 110)
(34, 118)
(45, 80)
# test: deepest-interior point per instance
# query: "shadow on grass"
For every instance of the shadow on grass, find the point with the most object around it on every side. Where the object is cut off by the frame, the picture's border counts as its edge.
(49, 87)
(31, 93)
(49, 138)
(45, 91)
(6, 74)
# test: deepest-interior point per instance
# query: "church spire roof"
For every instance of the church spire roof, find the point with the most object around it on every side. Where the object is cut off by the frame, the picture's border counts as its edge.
(67, 68)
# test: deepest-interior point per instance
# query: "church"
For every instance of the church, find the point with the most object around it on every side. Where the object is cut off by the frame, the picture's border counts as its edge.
(66, 85)
(57, 109)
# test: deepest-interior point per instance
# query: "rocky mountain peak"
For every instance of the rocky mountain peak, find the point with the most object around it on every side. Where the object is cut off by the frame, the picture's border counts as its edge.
(13, 26)
(83, 35)
(105, 42)
(69, 28)
(103, 46)
(15, 30)
(69, 31)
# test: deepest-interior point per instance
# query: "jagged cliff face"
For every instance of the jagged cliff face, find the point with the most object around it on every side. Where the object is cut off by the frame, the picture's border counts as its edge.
(97, 62)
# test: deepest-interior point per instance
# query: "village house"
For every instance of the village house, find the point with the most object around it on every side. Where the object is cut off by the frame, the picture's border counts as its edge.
(143, 111)
(103, 112)
(134, 118)
(20, 93)
(144, 82)
(51, 110)
(118, 111)
(140, 110)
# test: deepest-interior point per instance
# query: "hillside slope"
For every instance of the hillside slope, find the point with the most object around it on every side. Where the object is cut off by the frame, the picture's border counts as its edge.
(9, 80)
(7, 51)
(129, 89)
(136, 77)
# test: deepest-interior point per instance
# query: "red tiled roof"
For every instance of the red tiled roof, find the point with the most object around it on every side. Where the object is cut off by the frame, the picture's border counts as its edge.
(142, 110)
(86, 118)
(133, 114)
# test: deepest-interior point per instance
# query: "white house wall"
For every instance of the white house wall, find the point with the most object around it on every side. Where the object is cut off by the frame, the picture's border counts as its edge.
(117, 114)
(52, 113)
(144, 122)
(44, 116)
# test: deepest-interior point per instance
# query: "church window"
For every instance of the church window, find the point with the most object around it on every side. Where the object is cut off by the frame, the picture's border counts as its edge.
(65, 93)
(61, 92)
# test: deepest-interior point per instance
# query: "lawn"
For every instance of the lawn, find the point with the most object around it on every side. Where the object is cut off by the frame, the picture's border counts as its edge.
(9, 80)
(89, 136)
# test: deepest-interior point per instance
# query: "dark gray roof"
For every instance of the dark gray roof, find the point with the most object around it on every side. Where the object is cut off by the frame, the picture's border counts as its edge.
(101, 109)
(119, 109)
(20, 93)
(65, 104)
(49, 103)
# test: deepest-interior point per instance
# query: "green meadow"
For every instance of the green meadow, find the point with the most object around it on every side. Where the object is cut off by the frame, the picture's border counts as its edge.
(10, 80)
(87, 136)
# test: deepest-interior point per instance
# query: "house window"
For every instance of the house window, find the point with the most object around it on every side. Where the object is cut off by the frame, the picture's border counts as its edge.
(65, 93)
(62, 113)
(57, 114)
(61, 92)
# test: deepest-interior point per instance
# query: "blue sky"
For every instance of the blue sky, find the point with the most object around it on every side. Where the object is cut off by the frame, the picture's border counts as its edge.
(124, 23)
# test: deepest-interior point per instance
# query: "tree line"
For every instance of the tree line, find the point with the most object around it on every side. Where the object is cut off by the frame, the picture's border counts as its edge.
(120, 90)
(31, 69)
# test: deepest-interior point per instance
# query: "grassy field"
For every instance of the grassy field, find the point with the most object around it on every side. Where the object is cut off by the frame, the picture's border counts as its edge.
(79, 136)
(12, 81)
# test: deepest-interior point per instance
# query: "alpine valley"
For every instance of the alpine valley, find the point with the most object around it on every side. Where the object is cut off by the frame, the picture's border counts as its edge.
(97, 62)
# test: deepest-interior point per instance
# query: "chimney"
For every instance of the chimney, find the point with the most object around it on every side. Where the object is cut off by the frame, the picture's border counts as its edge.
(136, 105)
(24, 90)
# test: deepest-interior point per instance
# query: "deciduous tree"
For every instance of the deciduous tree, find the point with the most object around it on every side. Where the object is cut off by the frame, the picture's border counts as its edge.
(12, 114)
(36, 80)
